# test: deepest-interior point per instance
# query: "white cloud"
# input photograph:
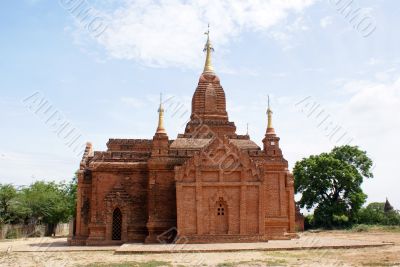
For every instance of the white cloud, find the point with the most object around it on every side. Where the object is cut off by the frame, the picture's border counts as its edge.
(366, 110)
(285, 36)
(374, 61)
(385, 75)
(168, 33)
(280, 36)
(298, 25)
(326, 21)
(375, 103)
(371, 116)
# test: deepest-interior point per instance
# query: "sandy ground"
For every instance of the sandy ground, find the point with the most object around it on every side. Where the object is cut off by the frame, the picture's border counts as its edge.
(377, 256)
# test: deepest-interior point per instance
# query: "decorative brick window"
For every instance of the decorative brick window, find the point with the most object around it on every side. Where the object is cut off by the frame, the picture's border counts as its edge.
(221, 210)
(117, 224)
(221, 216)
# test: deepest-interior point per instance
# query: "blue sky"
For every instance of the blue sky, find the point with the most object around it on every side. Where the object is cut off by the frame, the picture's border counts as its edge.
(105, 84)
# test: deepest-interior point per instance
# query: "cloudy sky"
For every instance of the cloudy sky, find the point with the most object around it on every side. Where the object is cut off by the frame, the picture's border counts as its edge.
(74, 71)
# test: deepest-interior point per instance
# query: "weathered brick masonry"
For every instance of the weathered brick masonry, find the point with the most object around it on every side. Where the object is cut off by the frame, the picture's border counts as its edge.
(208, 185)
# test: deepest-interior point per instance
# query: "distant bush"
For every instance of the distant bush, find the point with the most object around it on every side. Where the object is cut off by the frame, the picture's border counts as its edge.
(360, 228)
(11, 234)
(392, 218)
(341, 220)
(372, 228)
(37, 232)
(309, 222)
(375, 214)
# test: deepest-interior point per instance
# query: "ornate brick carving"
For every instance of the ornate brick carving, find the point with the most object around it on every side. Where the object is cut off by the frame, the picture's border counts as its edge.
(208, 185)
(85, 209)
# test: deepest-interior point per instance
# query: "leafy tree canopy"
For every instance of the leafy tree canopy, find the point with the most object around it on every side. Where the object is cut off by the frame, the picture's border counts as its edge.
(331, 183)
(375, 213)
(7, 196)
(42, 202)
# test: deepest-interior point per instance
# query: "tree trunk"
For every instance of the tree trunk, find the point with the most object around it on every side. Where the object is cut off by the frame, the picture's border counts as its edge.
(50, 229)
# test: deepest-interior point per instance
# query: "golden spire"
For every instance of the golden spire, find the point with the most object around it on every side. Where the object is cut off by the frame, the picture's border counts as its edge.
(269, 113)
(270, 128)
(160, 128)
(208, 48)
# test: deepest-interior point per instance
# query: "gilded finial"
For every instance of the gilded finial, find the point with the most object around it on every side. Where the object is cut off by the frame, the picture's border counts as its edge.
(208, 48)
(160, 128)
(269, 113)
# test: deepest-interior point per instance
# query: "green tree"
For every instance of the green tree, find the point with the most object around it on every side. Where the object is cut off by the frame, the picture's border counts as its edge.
(392, 217)
(375, 213)
(7, 196)
(331, 183)
(46, 202)
(372, 214)
(70, 190)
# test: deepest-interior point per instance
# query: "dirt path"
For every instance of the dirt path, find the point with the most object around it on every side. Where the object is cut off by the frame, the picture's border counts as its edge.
(382, 256)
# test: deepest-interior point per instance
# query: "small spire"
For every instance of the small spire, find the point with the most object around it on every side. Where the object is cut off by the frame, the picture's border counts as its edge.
(160, 128)
(208, 48)
(247, 129)
(269, 113)
(387, 206)
(270, 128)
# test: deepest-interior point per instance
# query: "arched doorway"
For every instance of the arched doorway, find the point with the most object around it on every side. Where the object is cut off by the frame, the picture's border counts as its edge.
(116, 225)
(222, 217)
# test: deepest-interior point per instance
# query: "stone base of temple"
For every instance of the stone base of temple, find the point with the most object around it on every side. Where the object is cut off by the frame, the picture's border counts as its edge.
(159, 238)
(292, 235)
(202, 239)
(76, 241)
(161, 232)
(104, 242)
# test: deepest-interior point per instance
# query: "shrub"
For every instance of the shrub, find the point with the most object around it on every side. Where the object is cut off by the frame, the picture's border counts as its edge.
(340, 220)
(360, 228)
(11, 234)
(374, 213)
(309, 222)
(391, 218)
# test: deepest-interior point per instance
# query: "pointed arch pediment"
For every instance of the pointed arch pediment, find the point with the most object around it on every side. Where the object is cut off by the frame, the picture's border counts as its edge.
(222, 156)
(117, 197)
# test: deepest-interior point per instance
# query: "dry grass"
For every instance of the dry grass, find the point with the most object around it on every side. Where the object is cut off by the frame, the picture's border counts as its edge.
(131, 264)
(381, 256)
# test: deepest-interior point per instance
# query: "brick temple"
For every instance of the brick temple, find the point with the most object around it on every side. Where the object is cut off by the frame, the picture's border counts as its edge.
(208, 185)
